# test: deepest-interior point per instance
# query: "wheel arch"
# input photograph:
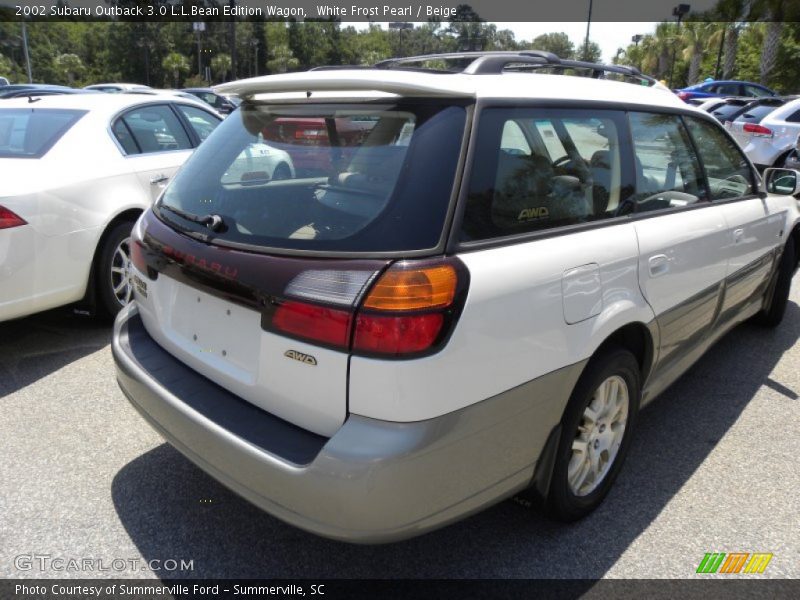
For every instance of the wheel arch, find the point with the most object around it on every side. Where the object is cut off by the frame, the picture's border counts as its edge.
(130, 214)
(634, 336)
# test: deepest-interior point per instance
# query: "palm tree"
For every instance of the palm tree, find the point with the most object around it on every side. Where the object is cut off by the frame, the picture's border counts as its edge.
(772, 11)
(695, 36)
(69, 65)
(282, 59)
(176, 64)
(221, 65)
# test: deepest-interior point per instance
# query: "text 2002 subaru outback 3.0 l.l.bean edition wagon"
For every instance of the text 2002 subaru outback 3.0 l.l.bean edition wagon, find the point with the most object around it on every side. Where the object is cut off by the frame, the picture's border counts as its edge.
(495, 272)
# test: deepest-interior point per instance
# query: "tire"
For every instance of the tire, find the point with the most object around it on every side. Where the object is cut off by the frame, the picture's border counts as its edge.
(589, 457)
(282, 171)
(111, 278)
(772, 315)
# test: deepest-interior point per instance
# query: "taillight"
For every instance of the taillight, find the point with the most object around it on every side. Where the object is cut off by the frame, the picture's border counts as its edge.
(408, 310)
(757, 130)
(9, 219)
(314, 323)
(684, 95)
(137, 256)
(398, 334)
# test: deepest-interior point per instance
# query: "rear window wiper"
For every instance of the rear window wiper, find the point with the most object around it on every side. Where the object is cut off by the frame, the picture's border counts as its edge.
(212, 222)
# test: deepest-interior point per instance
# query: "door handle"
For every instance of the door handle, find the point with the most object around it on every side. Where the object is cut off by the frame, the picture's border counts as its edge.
(659, 264)
(159, 179)
(738, 234)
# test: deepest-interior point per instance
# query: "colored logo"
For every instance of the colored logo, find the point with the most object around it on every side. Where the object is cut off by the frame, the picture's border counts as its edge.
(734, 562)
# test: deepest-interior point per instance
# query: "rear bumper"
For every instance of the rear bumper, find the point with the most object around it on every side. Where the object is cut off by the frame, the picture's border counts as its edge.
(372, 481)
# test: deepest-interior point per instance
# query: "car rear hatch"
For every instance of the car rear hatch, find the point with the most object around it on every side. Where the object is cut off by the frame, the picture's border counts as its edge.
(259, 283)
(747, 125)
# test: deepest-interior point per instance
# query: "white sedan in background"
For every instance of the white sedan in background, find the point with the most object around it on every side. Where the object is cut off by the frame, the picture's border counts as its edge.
(76, 173)
(769, 140)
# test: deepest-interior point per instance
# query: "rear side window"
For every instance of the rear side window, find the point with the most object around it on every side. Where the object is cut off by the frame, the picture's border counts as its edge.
(199, 120)
(794, 117)
(727, 170)
(149, 129)
(324, 177)
(535, 169)
(30, 133)
(757, 92)
(667, 170)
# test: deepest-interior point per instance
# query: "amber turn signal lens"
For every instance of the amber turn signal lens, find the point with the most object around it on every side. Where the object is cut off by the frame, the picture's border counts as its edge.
(413, 289)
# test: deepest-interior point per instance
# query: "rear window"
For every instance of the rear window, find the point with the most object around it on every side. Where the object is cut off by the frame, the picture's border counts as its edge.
(30, 132)
(754, 114)
(726, 111)
(323, 177)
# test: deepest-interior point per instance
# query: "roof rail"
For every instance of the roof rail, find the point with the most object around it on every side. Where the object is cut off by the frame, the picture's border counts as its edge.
(495, 62)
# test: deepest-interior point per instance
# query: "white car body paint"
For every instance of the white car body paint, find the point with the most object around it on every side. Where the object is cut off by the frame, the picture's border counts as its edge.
(68, 197)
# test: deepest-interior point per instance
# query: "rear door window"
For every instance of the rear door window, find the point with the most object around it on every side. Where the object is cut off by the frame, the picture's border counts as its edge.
(31, 133)
(535, 169)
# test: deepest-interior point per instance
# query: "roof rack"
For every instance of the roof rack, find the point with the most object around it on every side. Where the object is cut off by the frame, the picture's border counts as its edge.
(495, 62)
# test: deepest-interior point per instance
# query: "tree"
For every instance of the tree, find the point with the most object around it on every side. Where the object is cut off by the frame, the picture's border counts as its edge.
(773, 13)
(69, 65)
(694, 36)
(176, 64)
(282, 59)
(557, 43)
(221, 66)
(591, 52)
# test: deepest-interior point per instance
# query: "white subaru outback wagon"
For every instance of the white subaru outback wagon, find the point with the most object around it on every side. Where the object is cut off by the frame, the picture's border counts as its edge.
(481, 268)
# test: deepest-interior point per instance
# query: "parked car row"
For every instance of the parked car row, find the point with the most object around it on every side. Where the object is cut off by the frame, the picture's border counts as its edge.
(224, 105)
(765, 124)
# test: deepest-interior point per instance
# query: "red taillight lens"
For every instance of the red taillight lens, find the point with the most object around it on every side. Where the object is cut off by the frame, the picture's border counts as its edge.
(137, 256)
(9, 219)
(683, 95)
(408, 310)
(757, 130)
(314, 323)
(396, 335)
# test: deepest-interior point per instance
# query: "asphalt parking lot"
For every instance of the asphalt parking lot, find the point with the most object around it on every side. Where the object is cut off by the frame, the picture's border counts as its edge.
(713, 468)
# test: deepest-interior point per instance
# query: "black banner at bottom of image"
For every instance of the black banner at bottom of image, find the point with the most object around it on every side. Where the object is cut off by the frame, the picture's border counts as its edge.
(388, 589)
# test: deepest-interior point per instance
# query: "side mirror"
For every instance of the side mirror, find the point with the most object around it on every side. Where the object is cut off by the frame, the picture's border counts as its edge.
(782, 182)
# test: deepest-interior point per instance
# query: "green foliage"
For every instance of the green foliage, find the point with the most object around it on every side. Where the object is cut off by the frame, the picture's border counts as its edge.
(176, 64)
(557, 43)
(164, 53)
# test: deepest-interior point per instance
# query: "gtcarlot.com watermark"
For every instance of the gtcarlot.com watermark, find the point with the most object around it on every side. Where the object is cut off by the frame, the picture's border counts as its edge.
(85, 564)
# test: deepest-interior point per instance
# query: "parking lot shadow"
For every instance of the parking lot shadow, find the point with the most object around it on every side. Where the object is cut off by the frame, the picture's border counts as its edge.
(33, 347)
(171, 509)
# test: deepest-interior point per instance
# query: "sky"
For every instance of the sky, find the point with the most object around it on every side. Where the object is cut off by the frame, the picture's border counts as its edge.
(609, 36)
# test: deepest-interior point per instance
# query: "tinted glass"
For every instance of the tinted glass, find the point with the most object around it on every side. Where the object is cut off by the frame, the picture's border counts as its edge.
(728, 172)
(667, 171)
(202, 122)
(344, 178)
(538, 169)
(794, 117)
(728, 89)
(751, 90)
(154, 129)
(30, 133)
(726, 111)
(754, 114)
